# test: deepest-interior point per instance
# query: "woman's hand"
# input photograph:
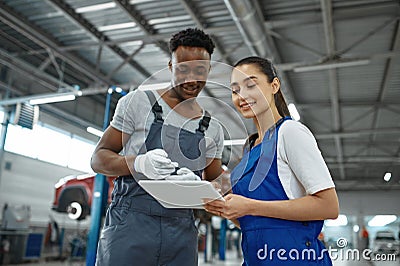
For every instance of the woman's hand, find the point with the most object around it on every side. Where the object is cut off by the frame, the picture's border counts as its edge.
(236, 206)
(233, 207)
(214, 206)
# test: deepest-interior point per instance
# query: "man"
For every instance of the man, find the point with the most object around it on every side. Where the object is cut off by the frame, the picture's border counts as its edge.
(157, 131)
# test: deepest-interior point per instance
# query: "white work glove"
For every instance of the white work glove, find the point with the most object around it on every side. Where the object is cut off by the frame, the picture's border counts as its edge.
(154, 164)
(184, 174)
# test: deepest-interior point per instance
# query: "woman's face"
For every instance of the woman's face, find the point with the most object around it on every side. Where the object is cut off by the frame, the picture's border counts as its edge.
(252, 94)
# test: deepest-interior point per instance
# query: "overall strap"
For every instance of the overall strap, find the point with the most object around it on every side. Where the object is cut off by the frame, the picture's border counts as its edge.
(204, 122)
(156, 108)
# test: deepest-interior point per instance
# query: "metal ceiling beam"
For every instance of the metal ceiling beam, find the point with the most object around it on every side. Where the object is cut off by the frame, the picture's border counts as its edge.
(358, 104)
(326, 10)
(190, 9)
(339, 15)
(358, 133)
(387, 76)
(141, 23)
(35, 34)
(94, 32)
(144, 39)
(40, 76)
(368, 35)
(246, 14)
(348, 9)
(366, 159)
(126, 60)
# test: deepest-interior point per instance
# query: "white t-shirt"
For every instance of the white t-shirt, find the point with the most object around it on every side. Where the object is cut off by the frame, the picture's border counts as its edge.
(133, 116)
(301, 168)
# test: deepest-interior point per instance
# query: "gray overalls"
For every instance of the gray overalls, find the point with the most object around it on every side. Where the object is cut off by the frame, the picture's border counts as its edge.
(137, 229)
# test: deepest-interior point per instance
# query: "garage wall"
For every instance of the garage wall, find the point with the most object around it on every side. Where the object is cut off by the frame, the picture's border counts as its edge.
(369, 202)
(26, 181)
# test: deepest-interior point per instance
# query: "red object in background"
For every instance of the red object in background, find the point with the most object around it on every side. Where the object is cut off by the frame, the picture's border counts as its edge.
(77, 189)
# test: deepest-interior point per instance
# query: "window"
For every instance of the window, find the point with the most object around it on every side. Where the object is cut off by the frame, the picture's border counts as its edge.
(80, 154)
(51, 145)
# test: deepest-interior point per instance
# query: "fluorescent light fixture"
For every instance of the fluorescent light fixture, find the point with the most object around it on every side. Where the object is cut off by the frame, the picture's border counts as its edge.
(230, 142)
(135, 2)
(293, 112)
(387, 176)
(331, 65)
(340, 221)
(382, 220)
(95, 7)
(52, 99)
(94, 131)
(168, 19)
(356, 228)
(154, 86)
(117, 26)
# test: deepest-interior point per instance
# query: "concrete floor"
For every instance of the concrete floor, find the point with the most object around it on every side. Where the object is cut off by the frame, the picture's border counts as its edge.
(231, 260)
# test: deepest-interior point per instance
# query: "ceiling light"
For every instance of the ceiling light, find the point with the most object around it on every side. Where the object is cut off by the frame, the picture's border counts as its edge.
(94, 131)
(95, 7)
(229, 142)
(293, 112)
(340, 221)
(154, 86)
(52, 99)
(356, 228)
(387, 176)
(332, 65)
(382, 220)
(117, 26)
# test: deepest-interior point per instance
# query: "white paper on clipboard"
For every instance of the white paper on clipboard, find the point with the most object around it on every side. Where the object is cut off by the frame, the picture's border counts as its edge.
(180, 194)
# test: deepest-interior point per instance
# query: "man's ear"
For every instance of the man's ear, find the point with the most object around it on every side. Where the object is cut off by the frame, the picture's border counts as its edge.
(170, 65)
(276, 85)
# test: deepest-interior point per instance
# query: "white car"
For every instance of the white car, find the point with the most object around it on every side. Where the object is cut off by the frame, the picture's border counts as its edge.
(385, 242)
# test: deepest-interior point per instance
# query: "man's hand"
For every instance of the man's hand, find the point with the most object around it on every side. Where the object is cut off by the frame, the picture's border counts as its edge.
(154, 164)
(184, 174)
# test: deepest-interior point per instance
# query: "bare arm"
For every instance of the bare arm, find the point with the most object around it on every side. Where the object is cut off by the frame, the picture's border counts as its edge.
(319, 206)
(106, 159)
(213, 169)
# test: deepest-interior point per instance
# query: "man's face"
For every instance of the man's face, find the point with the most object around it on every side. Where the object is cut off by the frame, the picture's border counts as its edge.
(190, 67)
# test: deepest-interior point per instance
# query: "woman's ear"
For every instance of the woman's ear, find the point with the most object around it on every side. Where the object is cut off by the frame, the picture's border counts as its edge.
(276, 85)
(170, 65)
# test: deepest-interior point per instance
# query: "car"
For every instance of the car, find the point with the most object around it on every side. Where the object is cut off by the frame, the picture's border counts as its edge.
(385, 242)
(74, 195)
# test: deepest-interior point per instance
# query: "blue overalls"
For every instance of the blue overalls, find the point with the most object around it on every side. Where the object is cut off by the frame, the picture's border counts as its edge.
(271, 241)
(137, 229)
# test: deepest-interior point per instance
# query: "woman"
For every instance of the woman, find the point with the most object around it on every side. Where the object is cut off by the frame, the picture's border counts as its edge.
(282, 189)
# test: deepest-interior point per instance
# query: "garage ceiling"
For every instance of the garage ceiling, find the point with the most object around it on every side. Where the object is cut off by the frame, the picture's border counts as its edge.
(338, 60)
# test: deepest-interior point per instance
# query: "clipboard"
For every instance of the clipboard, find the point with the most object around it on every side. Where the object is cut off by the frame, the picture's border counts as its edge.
(180, 194)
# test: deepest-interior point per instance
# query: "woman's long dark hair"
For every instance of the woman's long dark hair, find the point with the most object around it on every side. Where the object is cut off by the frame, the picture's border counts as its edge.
(269, 70)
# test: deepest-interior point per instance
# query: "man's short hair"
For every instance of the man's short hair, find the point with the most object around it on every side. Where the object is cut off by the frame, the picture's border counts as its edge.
(192, 37)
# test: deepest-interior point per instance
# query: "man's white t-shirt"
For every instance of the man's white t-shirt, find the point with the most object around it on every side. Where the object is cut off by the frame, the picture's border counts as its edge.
(301, 168)
(133, 116)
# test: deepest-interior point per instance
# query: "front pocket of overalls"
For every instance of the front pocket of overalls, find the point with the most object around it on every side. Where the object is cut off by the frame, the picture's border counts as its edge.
(116, 216)
(116, 220)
